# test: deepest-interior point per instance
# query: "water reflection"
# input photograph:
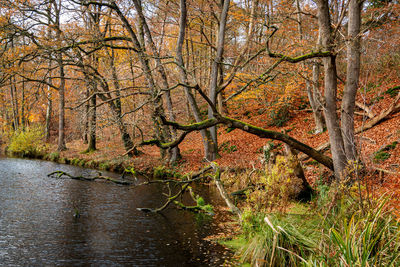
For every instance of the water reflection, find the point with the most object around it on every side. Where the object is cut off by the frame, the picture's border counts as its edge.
(38, 226)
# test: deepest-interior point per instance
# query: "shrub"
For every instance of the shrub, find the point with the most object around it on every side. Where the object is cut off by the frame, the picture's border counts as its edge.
(276, 187)
(381, 156)
(27, 143)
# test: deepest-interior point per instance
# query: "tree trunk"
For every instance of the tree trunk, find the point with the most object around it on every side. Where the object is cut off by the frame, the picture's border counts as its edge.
(315, 99)
(215, 66)
(14, 103)
(49, 109)
(174, 153)
(330, 82)
(86, 118)
(162, 132)
(209, 147)
(306, 191)
(312, 89)
(116, 108)
(61, 88)
(92, 121)
(353, 73)
(61, 106)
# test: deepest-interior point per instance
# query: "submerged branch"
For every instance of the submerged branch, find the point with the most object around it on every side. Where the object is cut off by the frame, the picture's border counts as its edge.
(60, 174)
(171, 199)
(222, 192)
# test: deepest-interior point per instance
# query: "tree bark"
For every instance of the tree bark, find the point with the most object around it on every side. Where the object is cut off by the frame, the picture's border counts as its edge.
(158, 110)
(209, 147)
(330, 82)
(315, 99)
(61, 106)
(61, 89)
(175, 152)
(49, 107)
(213, 92)
(353, 73)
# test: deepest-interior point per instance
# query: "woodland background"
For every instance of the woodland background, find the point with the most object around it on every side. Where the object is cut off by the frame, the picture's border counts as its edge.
(172, 85)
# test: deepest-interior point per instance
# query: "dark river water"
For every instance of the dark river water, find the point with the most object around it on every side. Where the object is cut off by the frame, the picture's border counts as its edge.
(38, 226)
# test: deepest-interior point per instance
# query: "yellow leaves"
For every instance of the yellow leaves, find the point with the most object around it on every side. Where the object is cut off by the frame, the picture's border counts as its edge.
(34, 117)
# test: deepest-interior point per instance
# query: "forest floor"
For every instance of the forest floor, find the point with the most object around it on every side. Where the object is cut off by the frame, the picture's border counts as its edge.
(240, 150)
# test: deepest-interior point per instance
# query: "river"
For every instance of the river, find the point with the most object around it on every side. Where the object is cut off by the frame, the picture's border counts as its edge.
(38, 226)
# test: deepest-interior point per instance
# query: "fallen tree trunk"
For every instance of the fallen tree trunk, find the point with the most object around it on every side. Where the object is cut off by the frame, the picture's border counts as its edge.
(237, 124)
(366, 109)
(59, 174)
(222, 192)
(393, 108)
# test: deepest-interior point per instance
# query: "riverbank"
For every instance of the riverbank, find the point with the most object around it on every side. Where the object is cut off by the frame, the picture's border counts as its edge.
(240, 153)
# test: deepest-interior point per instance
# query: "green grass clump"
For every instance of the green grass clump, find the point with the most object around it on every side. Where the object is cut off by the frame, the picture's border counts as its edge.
(335, 231)
(105, 166)
(162, 172)
(393, 91)
(227, 147)
(53, 156)
(203, 206)
(383, 154)
(91, 164)
(75, 161)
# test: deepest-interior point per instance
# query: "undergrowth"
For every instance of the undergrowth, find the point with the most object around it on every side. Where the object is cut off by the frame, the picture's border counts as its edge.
(338, 228)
